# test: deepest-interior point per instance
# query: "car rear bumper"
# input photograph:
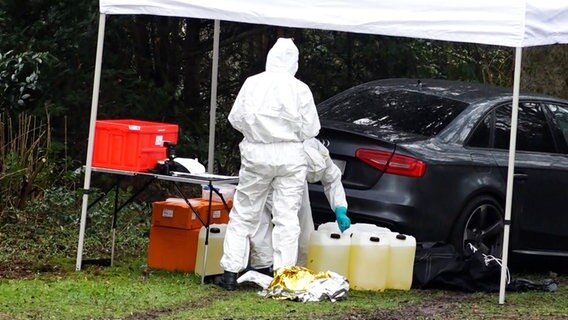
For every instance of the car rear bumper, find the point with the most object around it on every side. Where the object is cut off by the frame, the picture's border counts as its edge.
(398, 212)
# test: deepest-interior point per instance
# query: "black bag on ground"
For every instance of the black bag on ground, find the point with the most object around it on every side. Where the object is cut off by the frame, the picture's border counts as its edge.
(522, 285)
(433, 263)
(439, 265)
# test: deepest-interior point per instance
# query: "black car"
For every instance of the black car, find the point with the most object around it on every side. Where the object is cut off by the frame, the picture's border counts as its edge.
(429, 158)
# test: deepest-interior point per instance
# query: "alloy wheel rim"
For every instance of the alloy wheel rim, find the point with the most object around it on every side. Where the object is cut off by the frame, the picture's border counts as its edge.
(484, 229)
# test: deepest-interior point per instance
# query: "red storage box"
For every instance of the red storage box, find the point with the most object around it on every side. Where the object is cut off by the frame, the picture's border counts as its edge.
(172, 249)
(175, 213)
(131, 145)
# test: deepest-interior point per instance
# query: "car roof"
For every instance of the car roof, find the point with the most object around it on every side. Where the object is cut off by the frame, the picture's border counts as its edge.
(468, 92)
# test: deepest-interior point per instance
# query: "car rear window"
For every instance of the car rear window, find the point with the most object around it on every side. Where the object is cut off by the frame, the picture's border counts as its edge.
(401, 110)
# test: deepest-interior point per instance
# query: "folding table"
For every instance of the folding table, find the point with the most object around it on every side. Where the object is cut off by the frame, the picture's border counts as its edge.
(175, 177)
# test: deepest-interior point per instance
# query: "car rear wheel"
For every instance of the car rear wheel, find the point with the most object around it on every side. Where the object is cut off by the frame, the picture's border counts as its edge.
(481, 224)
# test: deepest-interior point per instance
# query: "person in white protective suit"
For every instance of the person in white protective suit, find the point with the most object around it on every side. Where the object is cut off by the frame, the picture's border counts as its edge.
(320, 169)
(275, 112)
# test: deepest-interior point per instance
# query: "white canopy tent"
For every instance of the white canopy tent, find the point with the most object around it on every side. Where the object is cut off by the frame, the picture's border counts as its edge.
(511, 23)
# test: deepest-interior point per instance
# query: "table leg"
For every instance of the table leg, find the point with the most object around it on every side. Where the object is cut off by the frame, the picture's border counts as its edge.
(207, 234)
(114, 216)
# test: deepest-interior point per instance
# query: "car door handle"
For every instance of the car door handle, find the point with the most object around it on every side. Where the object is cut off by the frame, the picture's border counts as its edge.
(519, 176)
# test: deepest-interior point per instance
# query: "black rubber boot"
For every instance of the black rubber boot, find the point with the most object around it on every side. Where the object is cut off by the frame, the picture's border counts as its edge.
(265, 271)
(227, 281)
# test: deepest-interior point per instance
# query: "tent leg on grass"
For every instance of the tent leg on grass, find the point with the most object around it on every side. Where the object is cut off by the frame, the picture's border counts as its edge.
(93, 119)
(510, 173)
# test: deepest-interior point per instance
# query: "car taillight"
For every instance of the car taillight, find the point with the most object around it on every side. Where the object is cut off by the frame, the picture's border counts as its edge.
(392, 163)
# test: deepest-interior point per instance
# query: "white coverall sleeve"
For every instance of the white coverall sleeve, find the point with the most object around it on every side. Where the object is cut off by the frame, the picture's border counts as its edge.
(237, 113)
(310, 119)
(332, 187)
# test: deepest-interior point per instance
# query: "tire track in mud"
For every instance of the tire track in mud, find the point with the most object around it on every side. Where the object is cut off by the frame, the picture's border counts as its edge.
(427, 310)
(180, 307)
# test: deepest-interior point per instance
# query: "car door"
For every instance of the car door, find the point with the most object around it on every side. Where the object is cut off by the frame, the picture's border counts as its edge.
(541, 171)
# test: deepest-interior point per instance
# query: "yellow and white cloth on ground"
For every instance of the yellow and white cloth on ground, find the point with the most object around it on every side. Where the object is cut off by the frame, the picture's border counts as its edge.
(300, 284)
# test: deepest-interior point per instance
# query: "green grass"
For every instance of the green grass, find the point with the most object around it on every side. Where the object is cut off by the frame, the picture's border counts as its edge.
(129, 291)
(96, 293)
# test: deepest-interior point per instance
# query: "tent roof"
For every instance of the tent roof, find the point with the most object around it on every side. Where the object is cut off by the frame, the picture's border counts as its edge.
(513, 23)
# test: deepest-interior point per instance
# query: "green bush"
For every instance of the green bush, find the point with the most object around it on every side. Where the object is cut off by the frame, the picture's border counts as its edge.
(48, 228)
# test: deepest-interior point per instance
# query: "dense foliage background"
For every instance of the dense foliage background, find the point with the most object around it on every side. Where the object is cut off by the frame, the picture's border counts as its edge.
(159, 68)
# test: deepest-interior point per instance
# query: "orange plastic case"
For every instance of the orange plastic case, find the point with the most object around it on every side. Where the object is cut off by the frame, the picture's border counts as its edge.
(174, 233)
(131, 145)
(177, 214)
(173, 249)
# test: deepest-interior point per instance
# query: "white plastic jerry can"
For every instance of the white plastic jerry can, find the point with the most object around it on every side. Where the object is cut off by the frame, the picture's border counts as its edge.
(366, 227)
(214, 250)
(355, 227)
(369, 261)
(329, 251)
(329, 227)
(401, 264)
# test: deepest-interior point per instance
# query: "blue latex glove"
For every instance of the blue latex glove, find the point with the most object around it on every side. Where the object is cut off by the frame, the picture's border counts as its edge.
(342, 219)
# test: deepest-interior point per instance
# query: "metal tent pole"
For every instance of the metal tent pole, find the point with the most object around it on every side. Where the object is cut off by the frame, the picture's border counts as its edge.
(510, 173)
(212, 122)
(93, 118)
(212, 115)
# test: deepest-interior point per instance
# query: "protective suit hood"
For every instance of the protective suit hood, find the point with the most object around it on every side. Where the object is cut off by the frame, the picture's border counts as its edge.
(283, 57)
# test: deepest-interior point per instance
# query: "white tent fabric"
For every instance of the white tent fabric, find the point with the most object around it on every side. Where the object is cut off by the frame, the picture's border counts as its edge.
(512, 23)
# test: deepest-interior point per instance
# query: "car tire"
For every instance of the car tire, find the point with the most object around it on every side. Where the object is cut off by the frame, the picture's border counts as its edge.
(481, 223)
